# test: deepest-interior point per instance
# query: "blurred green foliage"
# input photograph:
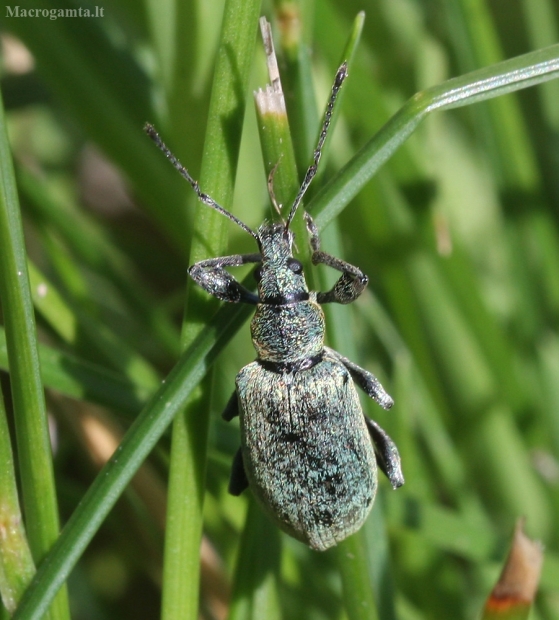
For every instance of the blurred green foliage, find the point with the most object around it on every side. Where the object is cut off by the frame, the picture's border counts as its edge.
(458, 233)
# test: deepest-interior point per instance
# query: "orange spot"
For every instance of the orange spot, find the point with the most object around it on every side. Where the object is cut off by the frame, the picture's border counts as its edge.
(500, 605)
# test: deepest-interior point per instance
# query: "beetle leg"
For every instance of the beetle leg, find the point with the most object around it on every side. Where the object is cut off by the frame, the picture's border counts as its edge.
(365, 380)
(212, 277)
(238, 481)
(350, 284)
(231, 408)
(388, 457)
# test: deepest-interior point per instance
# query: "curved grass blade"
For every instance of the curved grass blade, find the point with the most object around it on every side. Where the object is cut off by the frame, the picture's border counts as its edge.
(500, 79)
(138, 442)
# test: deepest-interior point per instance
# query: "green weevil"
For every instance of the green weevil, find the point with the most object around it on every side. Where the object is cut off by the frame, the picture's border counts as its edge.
(306, 449)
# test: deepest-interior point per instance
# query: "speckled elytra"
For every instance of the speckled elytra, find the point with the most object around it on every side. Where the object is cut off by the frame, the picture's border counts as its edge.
(308, 452)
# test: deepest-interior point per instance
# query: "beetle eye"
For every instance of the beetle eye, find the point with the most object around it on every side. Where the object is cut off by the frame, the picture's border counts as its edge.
(258, 273)
(295, 266)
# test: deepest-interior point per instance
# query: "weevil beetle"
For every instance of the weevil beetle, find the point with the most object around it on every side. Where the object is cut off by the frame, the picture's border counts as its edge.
(308, 452)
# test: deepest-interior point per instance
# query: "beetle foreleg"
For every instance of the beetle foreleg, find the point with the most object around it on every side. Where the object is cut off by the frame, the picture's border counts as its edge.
(212, 277)
(350, 284)
(388, 457)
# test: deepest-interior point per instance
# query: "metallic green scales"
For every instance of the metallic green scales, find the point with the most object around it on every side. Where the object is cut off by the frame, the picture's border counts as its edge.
(288, 333)
(308, 452)
(285, 332)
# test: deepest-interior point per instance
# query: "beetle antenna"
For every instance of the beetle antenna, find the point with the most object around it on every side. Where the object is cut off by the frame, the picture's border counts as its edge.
(207, 200)
(311, 171)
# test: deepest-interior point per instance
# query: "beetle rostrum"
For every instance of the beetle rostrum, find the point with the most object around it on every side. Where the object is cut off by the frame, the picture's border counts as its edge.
(308, 452)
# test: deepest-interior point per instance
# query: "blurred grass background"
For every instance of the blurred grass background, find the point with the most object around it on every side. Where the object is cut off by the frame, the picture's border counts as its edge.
(458, 234)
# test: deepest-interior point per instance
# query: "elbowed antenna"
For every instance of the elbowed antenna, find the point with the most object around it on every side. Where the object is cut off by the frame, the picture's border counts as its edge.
(208, 200)
(338, 81)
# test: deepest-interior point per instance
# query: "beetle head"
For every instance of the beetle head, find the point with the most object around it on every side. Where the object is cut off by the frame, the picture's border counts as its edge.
(280, 276)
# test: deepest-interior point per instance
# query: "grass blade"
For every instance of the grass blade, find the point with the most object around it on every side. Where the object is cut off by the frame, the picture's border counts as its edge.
(34, 451)
(505, 77)
(190, 428)
(16, 563)
(116, 474)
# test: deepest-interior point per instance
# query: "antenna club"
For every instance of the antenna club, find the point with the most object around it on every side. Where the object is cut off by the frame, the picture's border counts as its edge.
(341, 75)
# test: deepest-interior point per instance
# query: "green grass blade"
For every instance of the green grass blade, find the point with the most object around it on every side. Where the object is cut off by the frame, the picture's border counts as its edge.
(505, 77)
(84, 380)
(16, 564)
(543, 30)
(295, 25)
(34, 451)
(477, 45)
(82, 80)
(256, 594)
(255, 586)
(73, 324)
(359, 597)
(90, 244)
(190, 428)
(135, 447)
